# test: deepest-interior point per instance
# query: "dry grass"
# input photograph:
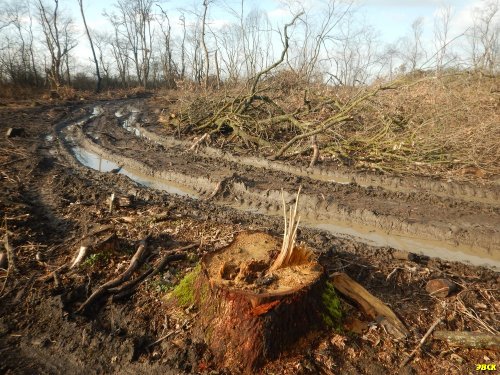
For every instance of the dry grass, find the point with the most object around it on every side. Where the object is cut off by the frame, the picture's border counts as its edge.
(448, 126)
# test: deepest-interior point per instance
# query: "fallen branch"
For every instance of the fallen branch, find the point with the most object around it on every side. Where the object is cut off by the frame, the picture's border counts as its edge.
(135, 262)
(476, 340)
(196, 144)
(130, 286)
(422, 341)
(11, 257)
(371, 305)
(82, 253)
(315, 156)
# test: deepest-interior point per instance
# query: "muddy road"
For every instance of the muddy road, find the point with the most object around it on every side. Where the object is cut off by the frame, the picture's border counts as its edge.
(439, 219)
(56, 181)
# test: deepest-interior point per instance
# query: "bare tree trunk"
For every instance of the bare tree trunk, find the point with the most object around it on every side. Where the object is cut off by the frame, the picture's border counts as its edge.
(98, 84)
(183, 46)
(203, 43)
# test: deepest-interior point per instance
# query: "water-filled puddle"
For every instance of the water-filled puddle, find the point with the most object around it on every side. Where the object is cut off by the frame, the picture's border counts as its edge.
(431, 248)
(380, 238)
(94, 161)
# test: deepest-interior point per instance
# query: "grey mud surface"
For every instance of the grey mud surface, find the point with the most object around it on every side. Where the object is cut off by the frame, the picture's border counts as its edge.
(442, 219)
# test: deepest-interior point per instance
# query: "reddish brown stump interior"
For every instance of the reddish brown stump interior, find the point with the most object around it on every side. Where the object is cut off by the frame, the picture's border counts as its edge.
(247, 323)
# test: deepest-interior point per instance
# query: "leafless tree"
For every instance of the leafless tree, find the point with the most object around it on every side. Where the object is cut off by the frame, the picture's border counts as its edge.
(133, 31)
(167, 62)
(441, 35)
(58, 39)
(412, 49)
(484, 37)
(98, 74)
(203, 40)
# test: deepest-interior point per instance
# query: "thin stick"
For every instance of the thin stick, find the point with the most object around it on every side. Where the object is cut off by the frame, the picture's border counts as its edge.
(427, 334)
(134, 264)
(111, 200)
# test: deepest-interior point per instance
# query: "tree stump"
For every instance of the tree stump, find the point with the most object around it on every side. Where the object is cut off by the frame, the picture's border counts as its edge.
(249, 315)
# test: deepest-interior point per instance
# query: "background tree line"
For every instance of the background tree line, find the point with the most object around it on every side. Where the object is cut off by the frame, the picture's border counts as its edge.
(149, 46)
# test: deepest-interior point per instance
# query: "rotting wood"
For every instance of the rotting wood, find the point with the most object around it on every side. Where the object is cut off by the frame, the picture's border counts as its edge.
(135, 262)
(476, 340)
(371, 305)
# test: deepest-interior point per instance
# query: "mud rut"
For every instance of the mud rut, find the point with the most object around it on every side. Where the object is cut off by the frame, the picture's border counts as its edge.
(39, 332)
(438, 219)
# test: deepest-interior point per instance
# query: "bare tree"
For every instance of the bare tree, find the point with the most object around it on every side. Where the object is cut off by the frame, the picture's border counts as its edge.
(441, 35)
(203, 41)
(98, 74)
(167, 62)
(484, 37)
(133, 31)
(57, 34)
(412, 49)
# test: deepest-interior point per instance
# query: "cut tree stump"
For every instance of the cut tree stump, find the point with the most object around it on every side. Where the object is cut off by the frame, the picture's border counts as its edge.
(249, 315)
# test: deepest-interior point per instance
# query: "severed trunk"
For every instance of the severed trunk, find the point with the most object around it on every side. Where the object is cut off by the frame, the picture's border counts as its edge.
(248, 314)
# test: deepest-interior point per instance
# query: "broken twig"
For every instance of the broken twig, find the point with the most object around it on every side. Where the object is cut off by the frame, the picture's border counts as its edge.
(135, 262)
(422, 341)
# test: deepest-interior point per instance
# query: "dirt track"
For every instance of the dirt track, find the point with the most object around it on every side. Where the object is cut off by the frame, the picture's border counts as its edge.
(450, 220)
(52, 200)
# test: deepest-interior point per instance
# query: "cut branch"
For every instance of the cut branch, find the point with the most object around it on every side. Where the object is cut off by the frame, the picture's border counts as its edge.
(476, 340)
(135, 262)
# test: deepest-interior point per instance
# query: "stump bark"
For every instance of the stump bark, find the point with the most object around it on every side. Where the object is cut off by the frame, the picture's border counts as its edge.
(248, 315)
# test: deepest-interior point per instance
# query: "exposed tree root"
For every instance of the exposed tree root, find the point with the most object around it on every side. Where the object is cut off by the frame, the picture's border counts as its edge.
(135, 262)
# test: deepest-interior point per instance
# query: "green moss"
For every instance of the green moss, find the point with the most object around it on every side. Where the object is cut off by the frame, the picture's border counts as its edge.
(332, 314)
(94, 259)
(184, 291)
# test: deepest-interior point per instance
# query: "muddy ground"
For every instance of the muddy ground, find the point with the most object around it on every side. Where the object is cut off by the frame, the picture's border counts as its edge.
(360, 223)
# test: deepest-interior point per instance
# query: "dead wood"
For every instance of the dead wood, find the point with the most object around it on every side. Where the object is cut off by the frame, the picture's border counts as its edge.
(11, 256)
(80, 255)
(315, 156)
(14, 132)
(216, 191)
(256, 79)
(129, 287)
(371, 305)
(135, 262)
(422, 341)
(476, 340)
(3, 260)
(95, 241)
(198, 142)
(246, 321)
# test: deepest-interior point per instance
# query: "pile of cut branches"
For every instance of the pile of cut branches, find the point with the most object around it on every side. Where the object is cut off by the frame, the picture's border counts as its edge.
(420, 124)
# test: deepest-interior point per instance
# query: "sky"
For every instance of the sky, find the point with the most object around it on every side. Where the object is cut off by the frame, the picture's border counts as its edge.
(391, 19)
